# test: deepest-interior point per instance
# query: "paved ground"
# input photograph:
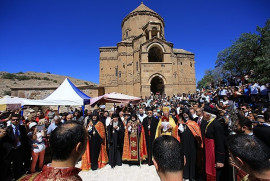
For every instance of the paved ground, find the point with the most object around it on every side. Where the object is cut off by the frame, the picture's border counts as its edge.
(121, 173)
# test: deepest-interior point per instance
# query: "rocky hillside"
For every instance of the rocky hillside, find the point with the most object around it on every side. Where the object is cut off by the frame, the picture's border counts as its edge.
(34, 79)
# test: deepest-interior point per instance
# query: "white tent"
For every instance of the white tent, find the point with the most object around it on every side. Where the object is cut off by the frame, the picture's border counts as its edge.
(12, 103)
(66, 94)
(114, 98)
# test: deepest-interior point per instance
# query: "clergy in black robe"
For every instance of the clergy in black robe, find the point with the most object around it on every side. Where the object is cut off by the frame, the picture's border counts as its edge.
(115, 140)
(150, 125)
(95, 140)
(214, 141)
(191, 139)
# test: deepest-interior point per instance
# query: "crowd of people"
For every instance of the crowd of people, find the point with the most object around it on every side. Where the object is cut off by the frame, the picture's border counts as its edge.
(223, 134)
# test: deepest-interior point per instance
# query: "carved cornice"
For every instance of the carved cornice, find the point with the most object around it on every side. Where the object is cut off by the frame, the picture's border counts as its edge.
(148, 13)
(108, 58)
(127, 44)
(137, 37)
(124, 54)
(129, 38)
(157, 40)
(107, 49)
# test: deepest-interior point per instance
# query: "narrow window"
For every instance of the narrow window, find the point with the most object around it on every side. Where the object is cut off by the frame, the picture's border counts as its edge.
(116, 71)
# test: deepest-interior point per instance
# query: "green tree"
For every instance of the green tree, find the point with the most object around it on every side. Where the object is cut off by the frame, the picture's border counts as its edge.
(238, 59)
(249, 53)
(262, 60)
(210, 77)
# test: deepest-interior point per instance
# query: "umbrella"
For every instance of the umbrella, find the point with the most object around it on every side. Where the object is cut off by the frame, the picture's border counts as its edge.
(12, 103)
(114, 98)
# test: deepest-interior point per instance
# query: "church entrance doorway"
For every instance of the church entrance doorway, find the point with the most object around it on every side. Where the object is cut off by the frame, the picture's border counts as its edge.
(157, 85)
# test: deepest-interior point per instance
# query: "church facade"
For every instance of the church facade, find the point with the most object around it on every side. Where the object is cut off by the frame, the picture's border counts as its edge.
(144, 62)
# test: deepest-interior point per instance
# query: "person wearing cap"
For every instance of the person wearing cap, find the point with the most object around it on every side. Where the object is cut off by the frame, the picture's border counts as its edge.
(166, 125)
(191, 140)
(150, 125)
(214, 142)
(134, 149)
(38, 146)
(96, 154)
(30, 119)
(115, 140)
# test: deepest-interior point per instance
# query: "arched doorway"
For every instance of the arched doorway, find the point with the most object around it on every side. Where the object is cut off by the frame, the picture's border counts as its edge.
(157, 85)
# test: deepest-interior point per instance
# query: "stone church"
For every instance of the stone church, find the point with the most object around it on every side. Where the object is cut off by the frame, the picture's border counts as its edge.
(144, 62)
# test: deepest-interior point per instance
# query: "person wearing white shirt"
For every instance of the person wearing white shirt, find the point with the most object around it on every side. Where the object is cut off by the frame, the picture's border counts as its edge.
(121, 115)
(141, 115)
(254, 89)
(223, 92)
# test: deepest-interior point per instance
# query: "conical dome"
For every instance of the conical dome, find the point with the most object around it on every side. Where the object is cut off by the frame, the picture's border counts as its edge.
(142, 7)
(132, 24)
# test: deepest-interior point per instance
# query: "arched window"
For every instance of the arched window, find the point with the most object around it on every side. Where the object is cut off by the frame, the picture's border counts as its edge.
(155, 54)
(126, 34)
(154, 32)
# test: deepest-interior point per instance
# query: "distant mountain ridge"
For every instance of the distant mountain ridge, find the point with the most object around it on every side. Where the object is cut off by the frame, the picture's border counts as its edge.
(35, 79)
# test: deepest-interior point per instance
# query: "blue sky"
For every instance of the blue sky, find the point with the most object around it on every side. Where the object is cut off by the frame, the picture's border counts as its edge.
(63, 36)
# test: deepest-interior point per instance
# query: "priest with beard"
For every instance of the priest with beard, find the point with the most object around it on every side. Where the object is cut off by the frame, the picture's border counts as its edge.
(214, 142)
(115, 140)
(150, 125)
(95, 155)
(191, 139)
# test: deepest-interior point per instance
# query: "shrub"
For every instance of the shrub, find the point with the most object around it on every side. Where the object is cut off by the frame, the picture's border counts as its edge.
(46, 78)
(9, 76)
(7, 92)
(23, 77)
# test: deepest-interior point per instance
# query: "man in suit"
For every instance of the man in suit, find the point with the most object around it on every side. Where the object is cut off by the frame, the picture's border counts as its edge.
(150, 125)
(17, 148)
